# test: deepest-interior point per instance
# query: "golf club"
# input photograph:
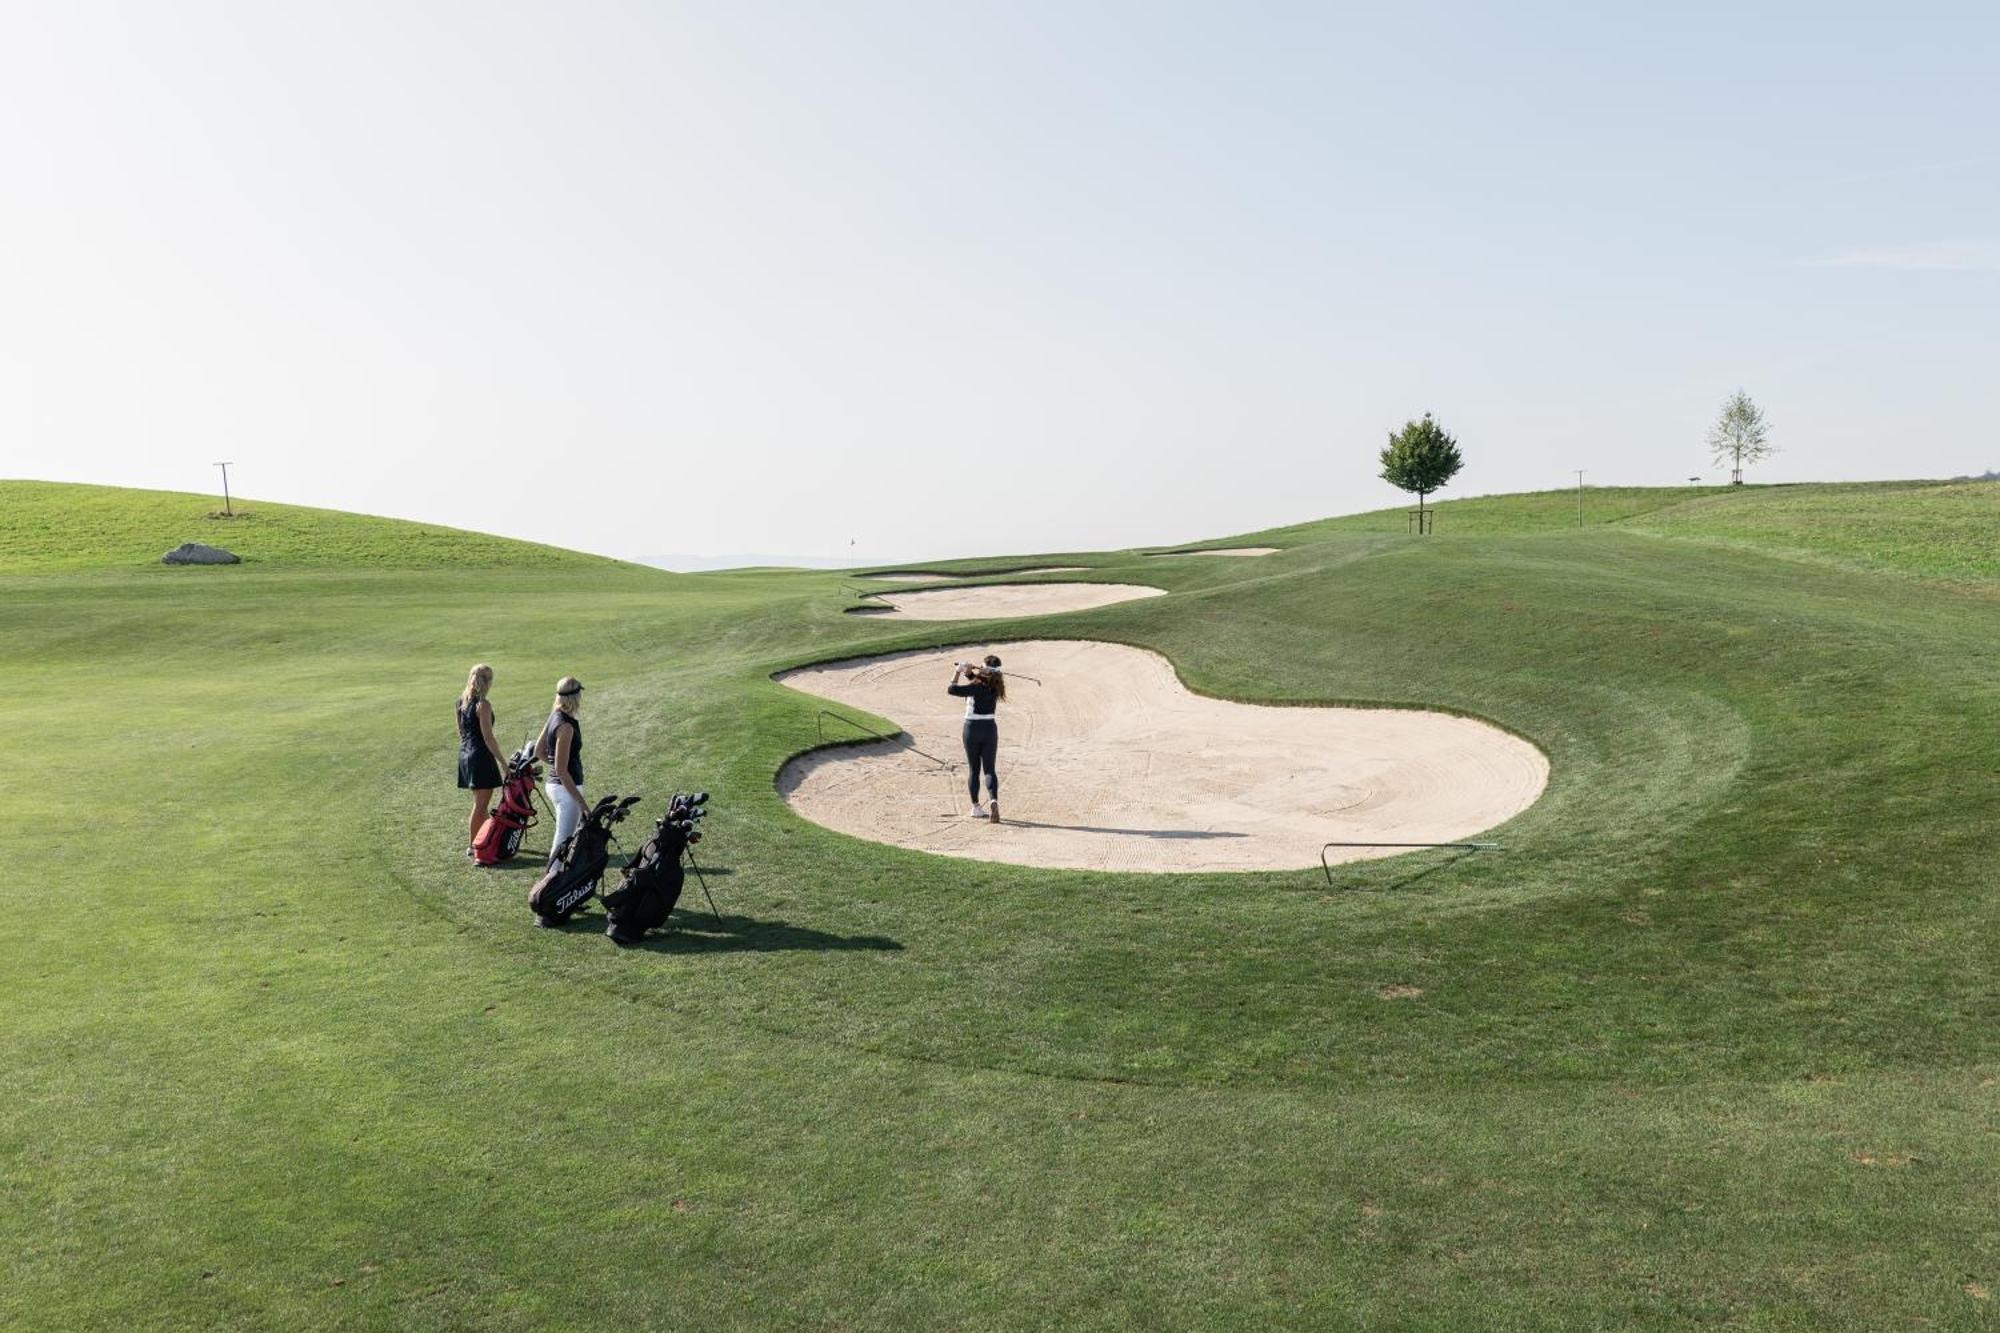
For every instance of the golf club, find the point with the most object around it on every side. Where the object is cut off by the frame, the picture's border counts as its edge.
(1010, 675)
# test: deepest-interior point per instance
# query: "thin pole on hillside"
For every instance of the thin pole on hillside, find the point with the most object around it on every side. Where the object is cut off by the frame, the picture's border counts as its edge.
(226, 510)
(1579, 496)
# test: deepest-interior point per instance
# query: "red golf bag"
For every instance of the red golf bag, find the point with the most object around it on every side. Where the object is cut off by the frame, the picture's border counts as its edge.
(500, 836)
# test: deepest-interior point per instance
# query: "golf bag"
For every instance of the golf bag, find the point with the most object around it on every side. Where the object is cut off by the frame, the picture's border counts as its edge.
(500, 836)
(578, 865)
(651, 884)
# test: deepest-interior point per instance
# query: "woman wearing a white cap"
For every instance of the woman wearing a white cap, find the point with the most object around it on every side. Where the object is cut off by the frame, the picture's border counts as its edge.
(561, 748)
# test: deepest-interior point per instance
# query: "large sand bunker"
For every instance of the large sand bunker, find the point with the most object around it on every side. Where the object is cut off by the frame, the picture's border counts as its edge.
(1226, 550)
(993, 601)
(1112, 764)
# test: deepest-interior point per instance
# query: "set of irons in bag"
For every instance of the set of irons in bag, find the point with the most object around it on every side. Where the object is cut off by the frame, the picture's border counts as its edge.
(651, 883)
(648, 888)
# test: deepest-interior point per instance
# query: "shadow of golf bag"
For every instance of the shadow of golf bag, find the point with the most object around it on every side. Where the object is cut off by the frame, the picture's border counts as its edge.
(652, 883)
(578, 865)
(500, 836)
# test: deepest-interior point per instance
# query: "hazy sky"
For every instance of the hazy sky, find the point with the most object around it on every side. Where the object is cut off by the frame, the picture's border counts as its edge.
(967, 278)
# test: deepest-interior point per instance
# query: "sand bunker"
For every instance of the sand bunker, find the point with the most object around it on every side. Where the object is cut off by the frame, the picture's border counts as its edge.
(946, 578)
(1227, 550)
(996, 600)
(1111, 764)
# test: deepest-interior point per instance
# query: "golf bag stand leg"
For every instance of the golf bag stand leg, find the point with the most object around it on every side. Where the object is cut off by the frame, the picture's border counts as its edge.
(688, 854)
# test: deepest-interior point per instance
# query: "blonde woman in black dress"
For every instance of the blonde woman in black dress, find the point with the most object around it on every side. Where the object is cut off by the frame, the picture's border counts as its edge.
(479, 761)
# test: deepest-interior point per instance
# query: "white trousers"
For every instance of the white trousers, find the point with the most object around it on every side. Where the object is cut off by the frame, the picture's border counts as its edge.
(569, 813)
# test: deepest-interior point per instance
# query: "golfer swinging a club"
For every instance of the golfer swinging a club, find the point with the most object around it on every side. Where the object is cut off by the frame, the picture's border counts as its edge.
(561, 748)
(983, 690)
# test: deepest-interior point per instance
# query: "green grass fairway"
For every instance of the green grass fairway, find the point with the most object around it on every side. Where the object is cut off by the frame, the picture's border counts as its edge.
(1714, 1042)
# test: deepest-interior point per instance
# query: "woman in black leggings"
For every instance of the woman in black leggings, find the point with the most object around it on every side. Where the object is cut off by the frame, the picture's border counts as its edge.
(983, 690)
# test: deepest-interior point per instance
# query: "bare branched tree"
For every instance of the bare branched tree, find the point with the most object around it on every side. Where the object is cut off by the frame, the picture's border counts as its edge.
(1738, 436)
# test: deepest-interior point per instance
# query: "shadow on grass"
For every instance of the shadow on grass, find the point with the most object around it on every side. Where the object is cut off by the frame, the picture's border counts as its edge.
(1406, 880)
(531, 866)
(704, 932)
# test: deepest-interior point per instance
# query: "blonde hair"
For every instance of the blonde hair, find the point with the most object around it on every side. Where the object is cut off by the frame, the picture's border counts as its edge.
(569, 690)
(477, 682)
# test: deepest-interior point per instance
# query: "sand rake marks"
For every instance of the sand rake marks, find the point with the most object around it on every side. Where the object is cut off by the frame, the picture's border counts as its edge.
(944, 766)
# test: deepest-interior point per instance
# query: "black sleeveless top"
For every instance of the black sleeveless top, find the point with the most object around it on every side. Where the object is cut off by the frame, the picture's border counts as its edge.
(548, 746)
(470, 741)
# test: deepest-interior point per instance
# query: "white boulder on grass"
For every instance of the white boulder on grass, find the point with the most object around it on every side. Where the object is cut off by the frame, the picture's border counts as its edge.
(194, 553)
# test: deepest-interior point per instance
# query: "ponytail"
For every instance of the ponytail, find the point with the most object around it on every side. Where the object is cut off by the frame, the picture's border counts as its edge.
(477, 682)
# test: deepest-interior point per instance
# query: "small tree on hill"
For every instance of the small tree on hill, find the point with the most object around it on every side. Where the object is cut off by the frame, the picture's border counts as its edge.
(1738, 436)
(1420, 458)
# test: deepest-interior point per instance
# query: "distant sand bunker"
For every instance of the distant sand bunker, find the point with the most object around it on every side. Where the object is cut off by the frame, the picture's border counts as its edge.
(947, 578)
(995, 600)
(1112, 764)
(1227, 550)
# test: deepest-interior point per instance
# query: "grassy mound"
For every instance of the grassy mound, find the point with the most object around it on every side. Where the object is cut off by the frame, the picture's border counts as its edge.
(1944, 530)
(1490, 515)
(1947, 530)
(1713, 1040)
(52, 527)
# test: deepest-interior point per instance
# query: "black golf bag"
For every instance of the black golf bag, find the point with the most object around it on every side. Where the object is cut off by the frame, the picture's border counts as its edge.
(651, 885)
(578, 865)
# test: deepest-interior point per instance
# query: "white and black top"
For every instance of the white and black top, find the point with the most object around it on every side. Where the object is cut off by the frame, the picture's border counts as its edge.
(979, 700)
